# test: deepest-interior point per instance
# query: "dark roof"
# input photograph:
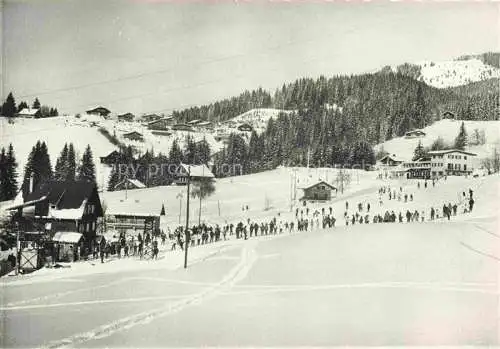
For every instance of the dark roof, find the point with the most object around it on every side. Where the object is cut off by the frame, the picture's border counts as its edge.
(320, 182)
(126, 115)
(247, 126)
(133, 133)
(99, 109)
(113, 153)
(64, 195)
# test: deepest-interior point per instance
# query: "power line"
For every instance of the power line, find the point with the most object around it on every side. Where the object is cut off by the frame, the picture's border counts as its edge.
(170, 69)
(165, 92)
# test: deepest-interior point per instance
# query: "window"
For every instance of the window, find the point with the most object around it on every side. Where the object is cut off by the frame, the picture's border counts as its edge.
(465, 157)
(465, 167)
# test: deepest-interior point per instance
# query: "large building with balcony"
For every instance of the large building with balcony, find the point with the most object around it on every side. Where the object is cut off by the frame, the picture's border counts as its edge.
(438, 163)
(452, 162)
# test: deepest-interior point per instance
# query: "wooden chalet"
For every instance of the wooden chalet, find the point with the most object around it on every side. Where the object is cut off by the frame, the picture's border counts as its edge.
(245, 128)
(99, 111)
(448, 115)
(134, 136)
(29, 113)
(194, 172)
(111, 158)
(160, 124)
(126, 117)
(414, 134)
(182, 127)
(150, 117)
(128, 184)
(66, 211)
(320, 191)
(391, 160)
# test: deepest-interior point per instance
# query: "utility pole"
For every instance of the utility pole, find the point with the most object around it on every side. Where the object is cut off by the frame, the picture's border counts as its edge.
(308, 156)
(187, 234)
(18, 257)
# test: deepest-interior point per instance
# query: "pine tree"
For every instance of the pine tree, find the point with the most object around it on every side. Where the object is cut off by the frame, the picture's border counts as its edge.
(45, 165)
(86, 170)
(190, 155)
(162, 213)
(175, 154)
(461, 139)
(22, 105)
(202, 152)
(419, 151)
(71, 163)
(439, 144)
(9, 107)
(3, 174)
(38, 166)
(114, 178)
(9, 182)
(61, 168)
(36, 104)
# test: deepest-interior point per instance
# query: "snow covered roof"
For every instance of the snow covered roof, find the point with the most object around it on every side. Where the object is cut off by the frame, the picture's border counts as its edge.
(15, 206)
(28, 111)
(68, 213)
(447, 151)
(204, 123)
(160, 120)
(67, 237)
(194, 122)
(318, 183)
(420, 132)
(196, 170)
(137, 183)
(393, 157)
(138, 202)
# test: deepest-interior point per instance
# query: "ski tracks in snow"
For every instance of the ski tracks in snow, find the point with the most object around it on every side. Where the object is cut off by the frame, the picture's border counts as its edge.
(236, 274)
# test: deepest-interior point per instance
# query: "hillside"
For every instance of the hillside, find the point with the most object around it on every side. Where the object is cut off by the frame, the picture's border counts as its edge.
(448, 130)
(55, 132)
(258, 118)
(458, 72)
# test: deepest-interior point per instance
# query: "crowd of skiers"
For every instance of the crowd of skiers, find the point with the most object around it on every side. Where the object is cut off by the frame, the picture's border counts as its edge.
(305, 220)
(204, 233)
(138, 245)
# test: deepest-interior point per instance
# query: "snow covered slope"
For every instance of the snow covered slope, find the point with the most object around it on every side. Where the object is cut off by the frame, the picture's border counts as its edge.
(447, 129)
(259, 117)
(265, 193)
(455, 73)
(55, 132)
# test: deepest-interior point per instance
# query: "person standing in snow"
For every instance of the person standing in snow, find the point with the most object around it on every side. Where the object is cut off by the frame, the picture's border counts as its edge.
(155, 249)
(102, 247)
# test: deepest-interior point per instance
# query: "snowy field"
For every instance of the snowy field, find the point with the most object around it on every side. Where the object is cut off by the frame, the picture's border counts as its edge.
(431, 283)
(447, 129)
(266, 194)
(455, 73)
(55, 132)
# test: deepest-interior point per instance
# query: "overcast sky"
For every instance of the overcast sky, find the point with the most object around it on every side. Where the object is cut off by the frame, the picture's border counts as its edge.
(154, 56)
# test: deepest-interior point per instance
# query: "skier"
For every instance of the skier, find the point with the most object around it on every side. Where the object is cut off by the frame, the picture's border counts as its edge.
(471, 203)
